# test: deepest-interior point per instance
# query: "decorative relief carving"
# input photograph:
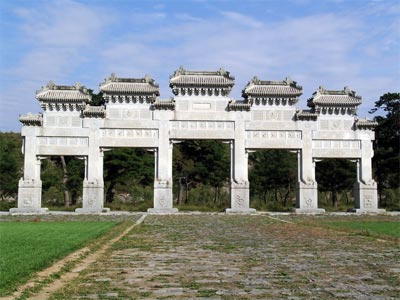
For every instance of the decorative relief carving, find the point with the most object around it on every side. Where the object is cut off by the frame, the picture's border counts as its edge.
(129, 133)
(28, 201)
(335, 144)
(62, 141)
(336, 125)
(201, 125)
(239, 202)
(368, 203)
(162, 202)
(258, 115)
(273, 134)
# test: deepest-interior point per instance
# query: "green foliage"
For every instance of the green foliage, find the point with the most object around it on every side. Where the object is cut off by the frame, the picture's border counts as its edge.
(27, 247)
(127, 167)
(273, 175)
(11, 163)
(386, 161)
(335, 176)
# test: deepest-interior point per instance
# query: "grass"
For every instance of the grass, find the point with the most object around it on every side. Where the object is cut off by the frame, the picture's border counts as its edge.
(374, 228)
(27, 247)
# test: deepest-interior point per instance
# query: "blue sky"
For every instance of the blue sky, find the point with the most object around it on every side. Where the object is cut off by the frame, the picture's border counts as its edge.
(328, 43)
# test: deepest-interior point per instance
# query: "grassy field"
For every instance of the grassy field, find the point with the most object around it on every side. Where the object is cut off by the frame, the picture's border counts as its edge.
(374, 228)
(27, 247)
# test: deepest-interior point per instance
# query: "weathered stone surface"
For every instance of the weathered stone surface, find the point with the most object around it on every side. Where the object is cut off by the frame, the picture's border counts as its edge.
(241, 257)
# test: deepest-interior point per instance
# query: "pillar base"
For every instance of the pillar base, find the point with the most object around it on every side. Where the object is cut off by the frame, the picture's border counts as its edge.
(240, 198)
(366, 197)
(311, 211)
(162, 210)
(368, 211)
(92, 210)
(162, 198)
(29, 210)
(240, 211)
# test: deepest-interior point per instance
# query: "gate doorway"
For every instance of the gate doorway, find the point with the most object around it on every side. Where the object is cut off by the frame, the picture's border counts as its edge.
(336, 178)
(128, 178)
(273, 178)
(201, 173)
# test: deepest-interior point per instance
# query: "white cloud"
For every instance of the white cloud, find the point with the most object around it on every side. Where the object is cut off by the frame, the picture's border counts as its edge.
(242, 19)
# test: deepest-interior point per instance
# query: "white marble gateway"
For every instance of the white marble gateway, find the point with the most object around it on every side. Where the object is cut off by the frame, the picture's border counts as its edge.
(135, 116)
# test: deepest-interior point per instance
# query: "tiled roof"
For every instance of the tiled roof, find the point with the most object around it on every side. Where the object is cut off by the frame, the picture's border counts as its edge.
(94, 111)
(233, 105)
(63, 93)
(220, 78)
(365, 124)
(31, 119)
(145, 85)
(262, 88)
(164, 104)
(323, 97)
(306, 115)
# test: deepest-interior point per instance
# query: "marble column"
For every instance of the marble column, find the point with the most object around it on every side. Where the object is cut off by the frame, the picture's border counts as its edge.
(365, 189)
(240, 186)
(93, 183)
(163, 201)
(30, 185)
(307, 188)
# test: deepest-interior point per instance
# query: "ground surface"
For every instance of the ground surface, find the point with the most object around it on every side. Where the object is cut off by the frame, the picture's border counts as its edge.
(216, 256)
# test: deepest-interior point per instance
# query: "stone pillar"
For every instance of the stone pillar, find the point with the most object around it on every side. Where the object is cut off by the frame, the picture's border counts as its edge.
(163, 173)
(307, 188)
(240, 187)
(30, 185)
(93, 183)
(365, 189)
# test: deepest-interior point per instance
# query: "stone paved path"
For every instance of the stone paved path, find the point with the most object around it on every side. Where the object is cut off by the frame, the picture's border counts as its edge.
(239, 257)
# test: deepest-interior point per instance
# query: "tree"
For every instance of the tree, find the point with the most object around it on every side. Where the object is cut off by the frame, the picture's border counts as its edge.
(335, 176)
(273, 171)
(201, 162)
(386, 160)
(11, 162)
(126, 167)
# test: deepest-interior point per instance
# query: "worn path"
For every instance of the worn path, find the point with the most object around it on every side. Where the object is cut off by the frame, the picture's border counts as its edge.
(239, 257)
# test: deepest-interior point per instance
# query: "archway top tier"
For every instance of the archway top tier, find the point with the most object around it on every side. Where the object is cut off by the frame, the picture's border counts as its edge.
(137, 86)
(63, 97)
(201, 83)
(257, 88)
(331, 102)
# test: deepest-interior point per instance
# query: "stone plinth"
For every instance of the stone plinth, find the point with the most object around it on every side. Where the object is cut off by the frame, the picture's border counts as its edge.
(92, 198)
(366, 198)
(29, 197)
(162, 198)
(240, 199)
(307, 199)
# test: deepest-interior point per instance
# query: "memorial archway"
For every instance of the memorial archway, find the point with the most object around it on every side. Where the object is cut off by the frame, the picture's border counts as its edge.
(135, 116)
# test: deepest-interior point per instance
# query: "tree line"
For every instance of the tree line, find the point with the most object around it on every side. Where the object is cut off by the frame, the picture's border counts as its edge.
(201, 170)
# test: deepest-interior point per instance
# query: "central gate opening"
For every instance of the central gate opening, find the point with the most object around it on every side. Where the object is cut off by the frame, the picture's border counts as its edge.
(128, 178)
(201, 174)
(273, 178)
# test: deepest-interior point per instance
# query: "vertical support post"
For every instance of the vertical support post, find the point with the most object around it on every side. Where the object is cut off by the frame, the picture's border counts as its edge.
(365, 189)
(30, 185)
(93, 183)
(307, 188)
(240, 186)
(163, 173)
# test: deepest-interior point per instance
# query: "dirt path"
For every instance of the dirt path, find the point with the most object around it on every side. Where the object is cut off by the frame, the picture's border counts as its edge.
(43, 276)
(238, 257)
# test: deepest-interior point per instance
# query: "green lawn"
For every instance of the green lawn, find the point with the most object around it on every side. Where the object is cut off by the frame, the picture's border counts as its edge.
(374, 228)
(27, 247)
